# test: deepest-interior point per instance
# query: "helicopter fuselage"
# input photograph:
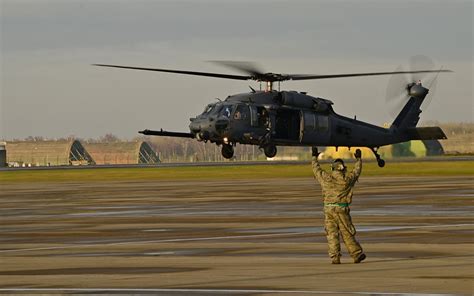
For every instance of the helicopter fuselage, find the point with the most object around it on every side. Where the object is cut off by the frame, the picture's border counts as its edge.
(283, 118)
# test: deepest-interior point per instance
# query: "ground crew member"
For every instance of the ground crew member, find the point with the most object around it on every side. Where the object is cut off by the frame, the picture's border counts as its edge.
(337, 195)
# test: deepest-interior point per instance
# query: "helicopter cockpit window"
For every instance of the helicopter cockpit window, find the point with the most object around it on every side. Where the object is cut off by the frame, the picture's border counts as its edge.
(226, 110)
(217, 109)
(208, 108)
(242, 112)
(212, 109)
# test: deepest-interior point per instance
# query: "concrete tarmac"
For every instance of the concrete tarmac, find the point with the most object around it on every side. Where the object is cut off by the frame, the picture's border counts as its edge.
(226, 237)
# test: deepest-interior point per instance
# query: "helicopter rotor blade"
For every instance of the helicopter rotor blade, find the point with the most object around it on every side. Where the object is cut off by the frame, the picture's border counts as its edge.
(431, 85)
(420, 62)
(245, 67)
(428, 80)
(207, 74)
(308, 77)
(431, 94)
(256, 74)
(396, 94)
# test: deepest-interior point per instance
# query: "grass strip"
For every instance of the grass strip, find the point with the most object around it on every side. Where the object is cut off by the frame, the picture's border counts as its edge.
(446, 168)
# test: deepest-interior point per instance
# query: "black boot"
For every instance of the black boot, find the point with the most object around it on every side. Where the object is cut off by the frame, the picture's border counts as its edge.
(360, 258)
(336, 260)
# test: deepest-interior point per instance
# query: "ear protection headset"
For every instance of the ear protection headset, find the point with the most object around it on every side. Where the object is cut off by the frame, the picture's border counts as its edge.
(338, 165)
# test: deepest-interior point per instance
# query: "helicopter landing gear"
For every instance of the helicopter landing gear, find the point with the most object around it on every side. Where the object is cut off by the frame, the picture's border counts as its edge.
(270, 151)
(380, 161)
(227, 151)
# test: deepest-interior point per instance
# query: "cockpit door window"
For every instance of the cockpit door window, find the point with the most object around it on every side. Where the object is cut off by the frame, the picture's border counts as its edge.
(253, 116)
(242, 112)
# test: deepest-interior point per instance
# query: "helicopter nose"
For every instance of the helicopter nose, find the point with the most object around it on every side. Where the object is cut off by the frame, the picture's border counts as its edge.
(222, 124)
(195, 127)
(204, 135)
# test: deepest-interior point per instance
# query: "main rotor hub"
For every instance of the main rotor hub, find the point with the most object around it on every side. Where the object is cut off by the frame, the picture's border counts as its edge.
(269, 78)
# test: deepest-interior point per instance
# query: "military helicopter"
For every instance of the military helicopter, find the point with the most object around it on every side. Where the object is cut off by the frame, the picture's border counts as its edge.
(270, 118)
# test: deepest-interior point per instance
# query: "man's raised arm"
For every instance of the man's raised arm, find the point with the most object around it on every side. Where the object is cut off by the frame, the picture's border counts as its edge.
(318, 172)
(354, 175)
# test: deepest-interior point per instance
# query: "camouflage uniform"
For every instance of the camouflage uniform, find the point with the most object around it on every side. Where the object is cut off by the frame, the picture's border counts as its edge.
(337, 194)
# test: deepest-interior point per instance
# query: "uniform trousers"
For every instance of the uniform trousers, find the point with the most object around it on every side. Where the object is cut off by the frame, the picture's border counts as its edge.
(337, 223)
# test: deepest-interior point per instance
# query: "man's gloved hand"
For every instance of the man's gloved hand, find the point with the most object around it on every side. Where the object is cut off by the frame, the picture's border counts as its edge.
(314, 151)
(358, 154)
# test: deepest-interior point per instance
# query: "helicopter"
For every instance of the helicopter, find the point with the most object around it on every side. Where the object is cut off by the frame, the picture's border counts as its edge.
(269, 118)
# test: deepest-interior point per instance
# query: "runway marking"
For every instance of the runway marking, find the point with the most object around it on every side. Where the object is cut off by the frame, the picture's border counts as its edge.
(389, 228)
(216, 291)
(174, 240)
(159, 253)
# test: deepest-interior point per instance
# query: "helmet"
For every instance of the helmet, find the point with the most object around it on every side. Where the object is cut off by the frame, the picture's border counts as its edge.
(338, 165)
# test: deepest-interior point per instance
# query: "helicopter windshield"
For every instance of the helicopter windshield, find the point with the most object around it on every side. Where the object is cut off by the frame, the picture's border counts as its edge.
(212, 109)
(226, 110)
(208, 108)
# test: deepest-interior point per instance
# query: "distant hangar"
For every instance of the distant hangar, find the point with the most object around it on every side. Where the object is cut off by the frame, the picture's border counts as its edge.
(47, 153)
(122, 153)
(75, 152)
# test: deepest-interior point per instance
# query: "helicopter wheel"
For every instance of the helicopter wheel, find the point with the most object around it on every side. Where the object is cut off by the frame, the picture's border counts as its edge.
(227, 151)
(270, 151)
(381, 162)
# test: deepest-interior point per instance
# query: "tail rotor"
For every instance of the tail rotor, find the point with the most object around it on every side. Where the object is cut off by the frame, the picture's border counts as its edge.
(398, 88)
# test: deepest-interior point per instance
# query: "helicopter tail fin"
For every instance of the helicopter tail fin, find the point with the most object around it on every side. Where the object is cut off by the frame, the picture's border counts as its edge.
(409, 116)
(405, 123)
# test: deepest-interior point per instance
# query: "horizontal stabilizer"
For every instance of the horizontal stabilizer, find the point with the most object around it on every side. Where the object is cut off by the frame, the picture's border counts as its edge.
(166, 134)
(426, 133)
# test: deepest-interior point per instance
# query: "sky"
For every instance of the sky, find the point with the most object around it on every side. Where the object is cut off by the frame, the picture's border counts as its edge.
(49, 88)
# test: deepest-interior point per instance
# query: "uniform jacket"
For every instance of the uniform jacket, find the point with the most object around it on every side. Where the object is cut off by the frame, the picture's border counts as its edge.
(336, 185)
